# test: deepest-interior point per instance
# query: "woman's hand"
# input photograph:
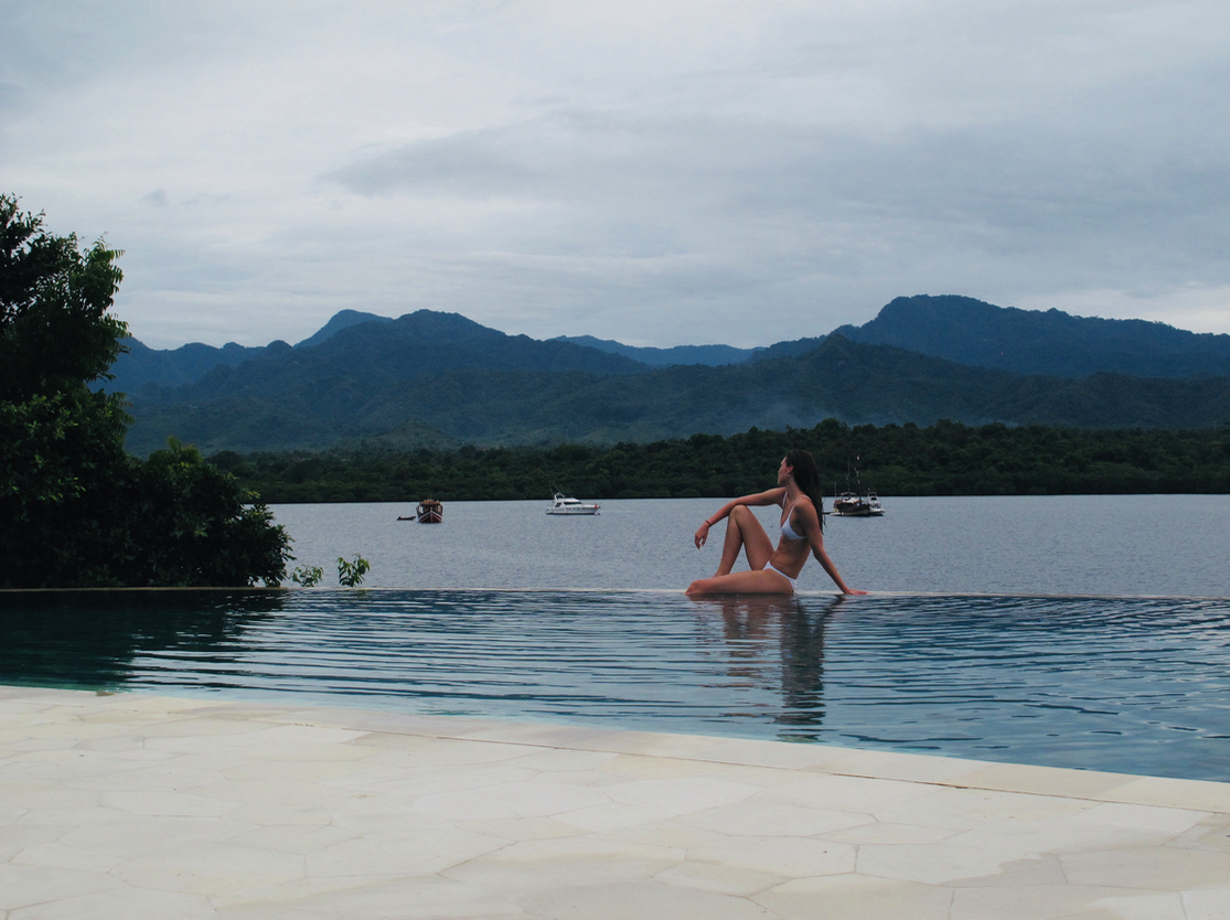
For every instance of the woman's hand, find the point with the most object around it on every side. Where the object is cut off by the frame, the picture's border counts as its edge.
(702, 534)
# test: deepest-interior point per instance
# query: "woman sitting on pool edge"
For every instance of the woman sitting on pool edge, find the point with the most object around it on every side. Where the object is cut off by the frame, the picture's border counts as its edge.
(773, 571)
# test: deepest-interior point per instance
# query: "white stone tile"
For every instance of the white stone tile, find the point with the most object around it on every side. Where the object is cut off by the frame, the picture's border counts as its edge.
(883, 832)
(144, 835)
(1027, 872)
(295, 735)
(25, 886)
(670, 797)
(773, 819)
(279, 813)
(16, 837)
(764, 777)
(856, 897)
(790, 857)
(844, 793)
(449, 752)
(556, 760)
(594, 778)
(203, 727)
(648, 900)
(1042, 903)
(932, 865)
(47, 796)
(1192, 794)
(1026, 778)
(708, 876)
(668, 834)
(401, 854)
(122, 903)
(915, 768)
(210, 869)
(1209, 904)
(306, 895)
(775, 754)
(1168, 906)
(442, 780)
(639, 766)
(654, 745)
(511, 800)
(65, 857)
(522, 828)
(1159, 868)
(175, 776)
(1212, 834)
(405, 898)
(165, 803)
(295, 771)
(294, 838)
(966, 809)
(1168, 821)
(1032, 837)
(609, 816)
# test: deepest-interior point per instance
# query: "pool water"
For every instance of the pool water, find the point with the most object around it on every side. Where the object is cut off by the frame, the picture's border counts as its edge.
(1137, 685)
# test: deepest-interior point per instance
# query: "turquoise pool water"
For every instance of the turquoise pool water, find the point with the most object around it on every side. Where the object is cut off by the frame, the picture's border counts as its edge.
(1139, 685)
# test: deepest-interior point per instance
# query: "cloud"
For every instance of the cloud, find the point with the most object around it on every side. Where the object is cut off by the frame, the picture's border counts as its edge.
(655, 172)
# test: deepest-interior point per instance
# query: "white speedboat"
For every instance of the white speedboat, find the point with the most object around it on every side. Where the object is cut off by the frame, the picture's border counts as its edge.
(566, 504)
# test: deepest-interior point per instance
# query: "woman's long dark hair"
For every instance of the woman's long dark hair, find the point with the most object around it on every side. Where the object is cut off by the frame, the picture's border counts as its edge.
(807, 477)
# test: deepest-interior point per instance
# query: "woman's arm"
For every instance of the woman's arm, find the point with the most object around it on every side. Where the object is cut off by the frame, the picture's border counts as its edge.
(771, 497)
(815, 539)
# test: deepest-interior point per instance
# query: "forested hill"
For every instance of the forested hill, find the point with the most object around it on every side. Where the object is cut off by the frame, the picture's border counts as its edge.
(383, 349)
(281, 404)
(970, 331)
(370, 356)
(958, 329)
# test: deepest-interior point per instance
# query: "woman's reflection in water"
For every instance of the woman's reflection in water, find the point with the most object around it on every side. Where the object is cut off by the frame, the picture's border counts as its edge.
(752, 624)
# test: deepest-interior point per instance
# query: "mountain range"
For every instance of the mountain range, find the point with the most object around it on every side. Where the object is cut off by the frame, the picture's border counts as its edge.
(439, 379)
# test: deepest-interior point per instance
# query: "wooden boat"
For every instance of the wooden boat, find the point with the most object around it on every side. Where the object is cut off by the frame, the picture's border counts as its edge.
(851, 504)
(430, 511)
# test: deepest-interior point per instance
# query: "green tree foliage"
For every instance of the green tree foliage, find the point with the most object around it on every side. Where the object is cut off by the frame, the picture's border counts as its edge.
(947, 458)
(76, 509)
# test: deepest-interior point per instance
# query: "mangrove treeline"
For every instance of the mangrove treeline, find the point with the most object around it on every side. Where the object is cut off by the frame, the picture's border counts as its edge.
(947, 458)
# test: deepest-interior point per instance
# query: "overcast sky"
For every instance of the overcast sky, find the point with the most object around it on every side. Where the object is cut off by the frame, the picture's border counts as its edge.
(660, 172)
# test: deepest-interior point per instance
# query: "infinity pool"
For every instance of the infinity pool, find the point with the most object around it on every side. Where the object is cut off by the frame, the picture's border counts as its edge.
(1138, 685)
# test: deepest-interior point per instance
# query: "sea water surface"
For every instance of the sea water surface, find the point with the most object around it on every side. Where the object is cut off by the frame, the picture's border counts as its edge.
(1115, 545)
(1086, 632)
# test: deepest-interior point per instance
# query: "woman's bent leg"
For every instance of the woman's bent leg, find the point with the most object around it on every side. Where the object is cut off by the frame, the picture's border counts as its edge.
(757, 581)
(743, 531)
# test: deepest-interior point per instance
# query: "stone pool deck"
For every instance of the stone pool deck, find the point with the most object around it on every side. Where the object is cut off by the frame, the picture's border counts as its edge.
(138, 806)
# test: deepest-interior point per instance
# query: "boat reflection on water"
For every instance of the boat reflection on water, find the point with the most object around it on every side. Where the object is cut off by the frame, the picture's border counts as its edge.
(789, 631)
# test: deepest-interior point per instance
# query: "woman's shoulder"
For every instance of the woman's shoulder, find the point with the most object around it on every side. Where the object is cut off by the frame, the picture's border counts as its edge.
(805, 504)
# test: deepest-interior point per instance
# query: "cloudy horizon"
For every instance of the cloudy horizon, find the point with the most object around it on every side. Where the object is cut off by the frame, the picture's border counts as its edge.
(657, 173)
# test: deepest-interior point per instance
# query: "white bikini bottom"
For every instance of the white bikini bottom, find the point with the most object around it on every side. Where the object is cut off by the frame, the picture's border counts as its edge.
(769, 568)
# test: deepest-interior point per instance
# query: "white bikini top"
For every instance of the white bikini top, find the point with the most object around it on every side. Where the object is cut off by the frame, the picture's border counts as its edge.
(787, 530)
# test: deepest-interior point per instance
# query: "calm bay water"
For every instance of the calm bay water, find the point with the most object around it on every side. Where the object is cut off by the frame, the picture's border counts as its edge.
(1168, 545)
(1088, 632)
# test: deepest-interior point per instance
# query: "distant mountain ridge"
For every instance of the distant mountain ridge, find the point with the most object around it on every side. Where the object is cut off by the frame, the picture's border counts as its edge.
(853, 382)
(710, 355)
(343, 319)
(374, 355)
(143, 366)
(970, 331)
(956, 328)
(429, 378)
